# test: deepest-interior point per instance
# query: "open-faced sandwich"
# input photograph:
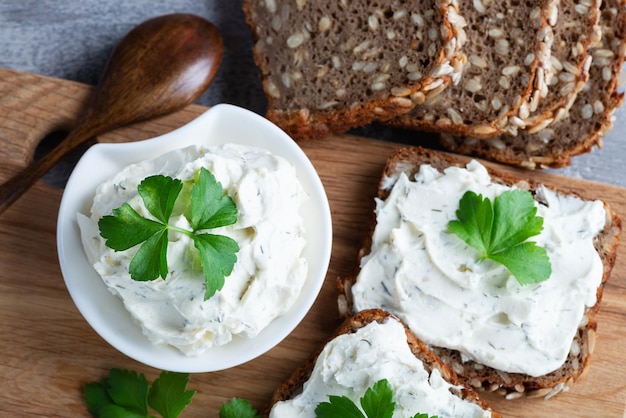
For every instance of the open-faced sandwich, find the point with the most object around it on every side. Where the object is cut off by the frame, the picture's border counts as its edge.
(374, 361)
(500, 276)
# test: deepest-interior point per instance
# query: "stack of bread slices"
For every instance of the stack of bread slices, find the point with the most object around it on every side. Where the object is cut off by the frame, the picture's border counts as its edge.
(529, 83)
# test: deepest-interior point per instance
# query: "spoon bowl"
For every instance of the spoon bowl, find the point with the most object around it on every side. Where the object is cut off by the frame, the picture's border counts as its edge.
(159, 67)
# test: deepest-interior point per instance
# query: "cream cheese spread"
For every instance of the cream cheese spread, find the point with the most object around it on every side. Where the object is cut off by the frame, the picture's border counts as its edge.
(351, 363)
(270, 269)
(433, 281)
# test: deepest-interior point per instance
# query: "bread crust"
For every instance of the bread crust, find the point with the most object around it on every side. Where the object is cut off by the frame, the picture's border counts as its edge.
(511, 385)
(293, 385)
(568, 134)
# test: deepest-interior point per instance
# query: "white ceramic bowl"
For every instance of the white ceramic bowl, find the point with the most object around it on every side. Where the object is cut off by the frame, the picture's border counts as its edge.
(105, 312)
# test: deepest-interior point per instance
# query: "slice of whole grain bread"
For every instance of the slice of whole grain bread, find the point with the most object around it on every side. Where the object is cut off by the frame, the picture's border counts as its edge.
(588, 120)
(512, 385)
(508, 62)
(293, 385)
(330, 66)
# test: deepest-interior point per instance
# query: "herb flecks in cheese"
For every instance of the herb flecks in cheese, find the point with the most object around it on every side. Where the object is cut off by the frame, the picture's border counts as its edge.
(351, 363)
(424, 274)
(270, 269)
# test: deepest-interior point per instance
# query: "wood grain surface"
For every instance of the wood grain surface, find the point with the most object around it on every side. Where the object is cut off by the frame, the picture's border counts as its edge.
(48, 352)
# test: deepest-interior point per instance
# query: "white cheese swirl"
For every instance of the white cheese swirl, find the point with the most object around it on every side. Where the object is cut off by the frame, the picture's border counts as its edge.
(270, 269)
(433, 281)
(351, 363)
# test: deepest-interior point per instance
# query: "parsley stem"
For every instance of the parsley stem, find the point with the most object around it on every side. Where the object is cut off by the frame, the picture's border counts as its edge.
(181, 230)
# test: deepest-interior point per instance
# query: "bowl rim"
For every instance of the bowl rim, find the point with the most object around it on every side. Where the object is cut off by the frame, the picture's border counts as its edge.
(105, 313)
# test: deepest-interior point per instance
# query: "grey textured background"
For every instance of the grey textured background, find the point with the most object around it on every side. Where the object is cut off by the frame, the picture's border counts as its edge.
(73, 39)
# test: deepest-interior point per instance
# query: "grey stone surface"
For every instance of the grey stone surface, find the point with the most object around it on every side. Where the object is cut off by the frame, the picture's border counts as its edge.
(73, 39)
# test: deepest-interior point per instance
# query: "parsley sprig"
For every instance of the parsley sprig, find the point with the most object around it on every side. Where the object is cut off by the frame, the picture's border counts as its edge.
(125, 393)
(500, 231)
(377, 402)
(209, 208)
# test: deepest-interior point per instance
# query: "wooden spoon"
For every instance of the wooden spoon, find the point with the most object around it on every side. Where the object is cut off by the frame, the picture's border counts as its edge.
(161, 66)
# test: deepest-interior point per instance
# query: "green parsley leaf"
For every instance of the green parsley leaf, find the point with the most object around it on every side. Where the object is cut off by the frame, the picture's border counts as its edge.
(129, 390)
(116, 411)
(208, 208)
(515, 209)
(528, 262)
(96, 397)
(378, 400)
(168, 395)
(150, 261)
(338, 407)
(125, 394)
(218, 257)
(500, 232)
(238, 408)
(125, 228)
(159, 194)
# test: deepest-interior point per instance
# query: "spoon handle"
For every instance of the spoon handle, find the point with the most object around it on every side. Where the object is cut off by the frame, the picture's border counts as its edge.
(12, 189)
(159, 67)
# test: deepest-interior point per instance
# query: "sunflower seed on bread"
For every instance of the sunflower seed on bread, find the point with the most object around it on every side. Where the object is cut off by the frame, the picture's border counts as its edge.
(327, 67)
(364, 327)
(411, 160)
(588, 120)
(508, 62)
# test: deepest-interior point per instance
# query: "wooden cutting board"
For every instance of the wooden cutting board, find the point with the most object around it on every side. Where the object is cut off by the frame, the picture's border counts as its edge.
(48, 352)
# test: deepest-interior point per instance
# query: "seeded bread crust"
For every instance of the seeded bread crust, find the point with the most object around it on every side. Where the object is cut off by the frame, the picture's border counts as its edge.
(589, 119)
(481, 377)
(508, 61)
(330, 66)
(576, 29)
(293, 385)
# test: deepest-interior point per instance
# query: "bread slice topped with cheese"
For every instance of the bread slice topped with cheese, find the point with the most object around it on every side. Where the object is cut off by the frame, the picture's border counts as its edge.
(370, 347)
(553, 142)
(330, 66)
(530, 337)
